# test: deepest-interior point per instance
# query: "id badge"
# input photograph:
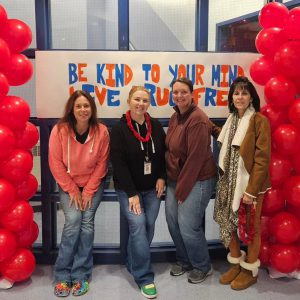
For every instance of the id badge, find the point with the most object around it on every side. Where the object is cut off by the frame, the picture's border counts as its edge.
(147, 167)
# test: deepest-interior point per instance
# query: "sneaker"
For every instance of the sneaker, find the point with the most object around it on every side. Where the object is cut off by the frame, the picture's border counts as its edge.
(62, 289)
(149, 291)
(197, 276)
(80, 287)
(179, 269)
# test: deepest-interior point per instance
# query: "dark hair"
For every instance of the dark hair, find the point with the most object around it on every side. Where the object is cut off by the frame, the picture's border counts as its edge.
(69, 117)
(243, 83)
(184, 80)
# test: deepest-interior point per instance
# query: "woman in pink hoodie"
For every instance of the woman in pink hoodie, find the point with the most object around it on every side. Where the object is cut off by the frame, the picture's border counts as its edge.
(78, 159)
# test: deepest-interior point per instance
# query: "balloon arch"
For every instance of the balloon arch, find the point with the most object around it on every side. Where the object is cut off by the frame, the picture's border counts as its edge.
(278, 70)
(18, 231)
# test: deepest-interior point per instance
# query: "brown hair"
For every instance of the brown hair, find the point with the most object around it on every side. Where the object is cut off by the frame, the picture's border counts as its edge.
(69, 117)
(243, 83)
(184, 80)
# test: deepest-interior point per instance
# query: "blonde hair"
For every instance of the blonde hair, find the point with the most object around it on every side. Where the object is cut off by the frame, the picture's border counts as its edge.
(136, 88)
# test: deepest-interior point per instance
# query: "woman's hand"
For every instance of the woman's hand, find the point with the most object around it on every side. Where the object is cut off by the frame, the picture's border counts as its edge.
(160, 187)
(86, 201)
(134, 204)
(77, 201)
(248, 200)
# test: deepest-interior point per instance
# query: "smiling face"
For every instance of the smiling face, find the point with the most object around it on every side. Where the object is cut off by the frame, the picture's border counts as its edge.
(138, 103)
(182, 96)
(241, 100)
(82, 110)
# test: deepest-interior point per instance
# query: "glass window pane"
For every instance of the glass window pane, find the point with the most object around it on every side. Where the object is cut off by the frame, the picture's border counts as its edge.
(84, 24)
(23, 10)
(162, 25)
(221, 11)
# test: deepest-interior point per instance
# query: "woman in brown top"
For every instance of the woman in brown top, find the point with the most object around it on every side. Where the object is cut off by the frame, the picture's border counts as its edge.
(243, 161)
(191, 182)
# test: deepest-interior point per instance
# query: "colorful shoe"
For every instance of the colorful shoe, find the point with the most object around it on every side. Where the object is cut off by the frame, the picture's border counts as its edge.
(80, 287)
(62, 289)
(149, 291)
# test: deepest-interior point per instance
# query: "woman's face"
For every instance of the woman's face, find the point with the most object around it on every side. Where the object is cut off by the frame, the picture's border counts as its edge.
(139, 103)
(82, 109)
(182, 96)
(241, 100)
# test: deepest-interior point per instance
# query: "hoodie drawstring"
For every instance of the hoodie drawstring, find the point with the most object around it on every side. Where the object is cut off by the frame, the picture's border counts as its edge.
(142, 146)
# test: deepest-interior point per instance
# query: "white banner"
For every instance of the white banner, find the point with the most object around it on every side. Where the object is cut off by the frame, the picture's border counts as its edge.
(109, 75)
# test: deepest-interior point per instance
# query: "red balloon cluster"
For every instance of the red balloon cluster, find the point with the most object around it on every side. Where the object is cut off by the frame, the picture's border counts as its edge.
(278, 69)
(18, 231)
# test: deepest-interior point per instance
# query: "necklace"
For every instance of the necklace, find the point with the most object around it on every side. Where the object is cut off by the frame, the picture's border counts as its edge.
(136, 134)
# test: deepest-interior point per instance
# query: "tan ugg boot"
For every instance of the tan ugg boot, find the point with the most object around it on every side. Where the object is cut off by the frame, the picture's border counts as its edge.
(247, 276)
(234, 269)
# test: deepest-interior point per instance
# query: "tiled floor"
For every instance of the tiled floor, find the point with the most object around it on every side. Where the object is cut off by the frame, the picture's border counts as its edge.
(112, 282)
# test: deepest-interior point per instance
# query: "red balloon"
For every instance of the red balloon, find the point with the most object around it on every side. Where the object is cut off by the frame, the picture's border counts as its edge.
(4, 54)
(287, 139)
(20, 266)
(4, 86)
(7, 141)
(18, 217)
(295, 159)
(273, 202)
(7, 194)
(27, 138)
(264, 225)
(294, 113)
(17, 165)
(280, 92)
(284, 228)
(14, 112)
(294, 210)
(27, 237)
(264, 253)
(275, 117)
(27, 188)
(269, 40)
(287, 59)
(8, 244)
(3, 16)
(273, 14)
(292, 191)
(17, 35)
(292, 24)
(280, 169)
(262, 70)
(20, 70)
(284, 258)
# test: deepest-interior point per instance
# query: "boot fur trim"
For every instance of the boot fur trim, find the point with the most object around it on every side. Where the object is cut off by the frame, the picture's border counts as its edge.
(236, 260)
(251, 267)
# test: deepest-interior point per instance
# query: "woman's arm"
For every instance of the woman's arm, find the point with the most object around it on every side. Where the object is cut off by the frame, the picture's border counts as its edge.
(57, 167)
(119, 162)
(262, 156)
(198, 140)
(102, 163)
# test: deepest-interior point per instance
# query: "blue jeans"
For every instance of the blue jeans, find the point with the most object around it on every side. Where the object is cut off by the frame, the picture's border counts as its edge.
(185, 224)
(75, 256)
(141, 232)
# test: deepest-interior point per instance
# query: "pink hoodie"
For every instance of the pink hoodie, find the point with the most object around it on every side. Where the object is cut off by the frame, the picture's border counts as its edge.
(75, 165)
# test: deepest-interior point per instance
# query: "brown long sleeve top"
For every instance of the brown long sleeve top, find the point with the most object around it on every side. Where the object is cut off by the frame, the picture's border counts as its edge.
(189, 157)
